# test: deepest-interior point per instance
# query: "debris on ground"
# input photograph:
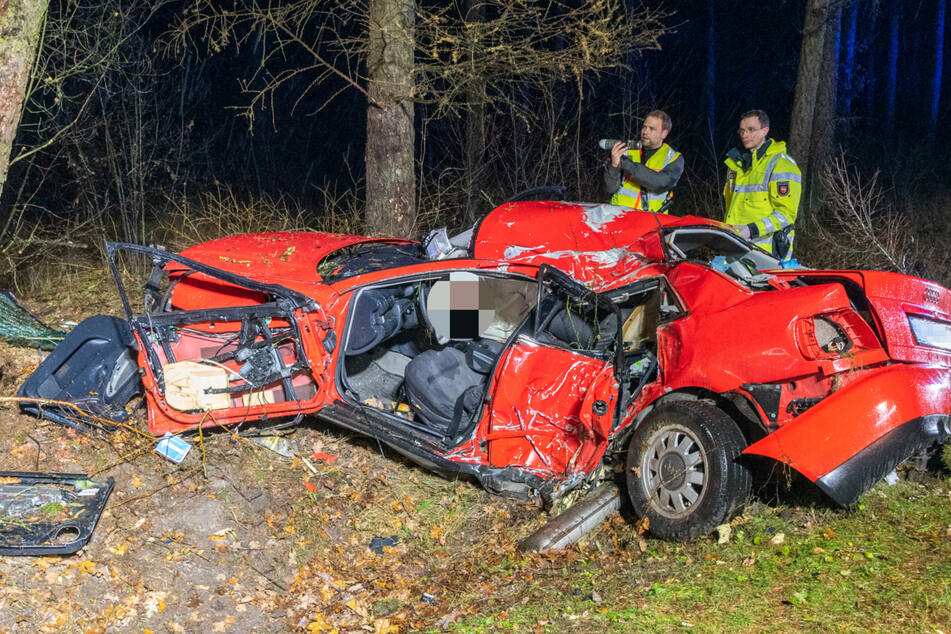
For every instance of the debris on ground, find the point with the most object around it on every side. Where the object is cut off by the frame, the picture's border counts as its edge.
(49, 513)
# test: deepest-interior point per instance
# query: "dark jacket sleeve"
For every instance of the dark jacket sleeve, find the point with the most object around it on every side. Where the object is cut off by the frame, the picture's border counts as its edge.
(612, 178)
(646, 178)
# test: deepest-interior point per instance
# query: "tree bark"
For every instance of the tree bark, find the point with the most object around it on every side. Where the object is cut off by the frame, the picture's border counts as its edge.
(710, 77)
(823, 122)
(475, 122)
(20, 22)
(937, 69)
(891, 84)
(848, 57)
(807, 80)
(390, 162)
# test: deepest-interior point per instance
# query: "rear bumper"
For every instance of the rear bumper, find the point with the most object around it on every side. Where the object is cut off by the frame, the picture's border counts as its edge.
(847, 482)
(859, 433)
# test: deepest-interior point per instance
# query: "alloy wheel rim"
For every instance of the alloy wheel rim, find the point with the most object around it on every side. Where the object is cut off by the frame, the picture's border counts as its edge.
(674, 471)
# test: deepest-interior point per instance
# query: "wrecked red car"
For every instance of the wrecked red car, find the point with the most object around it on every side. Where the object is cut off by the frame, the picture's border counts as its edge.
(563, 343)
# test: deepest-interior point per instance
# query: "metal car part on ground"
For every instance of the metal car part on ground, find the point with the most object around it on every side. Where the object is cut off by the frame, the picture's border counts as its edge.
(49, 513)
(570, 340)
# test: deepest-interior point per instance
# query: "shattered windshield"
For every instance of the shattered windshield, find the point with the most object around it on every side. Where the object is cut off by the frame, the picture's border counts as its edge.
(368, 257)
(723, 251)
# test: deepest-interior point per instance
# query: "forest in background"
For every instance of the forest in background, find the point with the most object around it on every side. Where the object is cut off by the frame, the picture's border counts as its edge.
(175, 122)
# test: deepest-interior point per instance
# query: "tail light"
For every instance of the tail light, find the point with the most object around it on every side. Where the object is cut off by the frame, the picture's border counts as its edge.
(832, 335)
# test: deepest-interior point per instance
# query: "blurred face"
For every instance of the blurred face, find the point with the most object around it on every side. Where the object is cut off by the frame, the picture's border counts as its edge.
(653, 133)
(752, 133)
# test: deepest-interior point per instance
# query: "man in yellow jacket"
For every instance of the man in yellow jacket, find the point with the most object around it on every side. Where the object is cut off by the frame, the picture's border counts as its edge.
(642, 177)
(763, 188)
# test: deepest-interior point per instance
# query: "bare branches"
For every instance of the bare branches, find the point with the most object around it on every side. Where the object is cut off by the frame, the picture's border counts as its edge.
(524, 41)
(863, 229)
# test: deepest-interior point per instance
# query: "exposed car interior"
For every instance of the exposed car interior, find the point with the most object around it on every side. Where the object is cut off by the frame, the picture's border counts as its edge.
(422, 350)
(425, 350)
(723, 251)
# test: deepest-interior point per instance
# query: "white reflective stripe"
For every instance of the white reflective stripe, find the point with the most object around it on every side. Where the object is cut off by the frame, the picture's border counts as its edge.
(772, 165)
(750, 188)
(661, 196)
(764, 242)
(624, 191)
(779, 220)
(785, 176)
(670, 156)
(768, 223)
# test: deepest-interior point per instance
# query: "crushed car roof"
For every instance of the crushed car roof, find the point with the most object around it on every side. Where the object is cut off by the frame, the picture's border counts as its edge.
(597, 244)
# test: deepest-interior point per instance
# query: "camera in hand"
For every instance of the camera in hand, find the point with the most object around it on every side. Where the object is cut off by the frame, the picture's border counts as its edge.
(608, 144)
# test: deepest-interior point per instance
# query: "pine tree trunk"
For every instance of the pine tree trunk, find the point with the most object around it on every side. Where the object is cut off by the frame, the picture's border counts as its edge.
(390, 162)
(937, 69)
(823, 122)
(20, 22)
(891, 85)
(475, 123)
(710, 77)
(848, 57)
(807, 80)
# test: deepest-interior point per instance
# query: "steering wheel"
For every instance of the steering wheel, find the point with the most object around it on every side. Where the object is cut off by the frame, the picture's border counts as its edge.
(422, 298)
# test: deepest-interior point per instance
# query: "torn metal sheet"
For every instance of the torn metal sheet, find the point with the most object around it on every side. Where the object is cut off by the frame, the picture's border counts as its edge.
(49, 513)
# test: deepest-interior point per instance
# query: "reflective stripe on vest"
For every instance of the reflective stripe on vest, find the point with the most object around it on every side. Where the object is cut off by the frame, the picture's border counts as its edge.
(630, 195)
(770, 177)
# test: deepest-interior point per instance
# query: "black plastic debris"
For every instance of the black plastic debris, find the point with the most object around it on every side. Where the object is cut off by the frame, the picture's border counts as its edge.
(95, 369)
(428, 598)
(377, 543)
(49, 513)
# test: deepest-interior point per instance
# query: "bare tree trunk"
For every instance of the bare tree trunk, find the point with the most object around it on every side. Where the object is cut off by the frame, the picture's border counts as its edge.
(823, 123)
(20, 22)
(891, 85)
(807, 79)
(848, 58)
(390, 164)
(936, 73)
(710, 77)
(475, 121)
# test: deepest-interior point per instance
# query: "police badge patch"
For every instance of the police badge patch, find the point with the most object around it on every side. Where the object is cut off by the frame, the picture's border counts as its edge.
(782, 187)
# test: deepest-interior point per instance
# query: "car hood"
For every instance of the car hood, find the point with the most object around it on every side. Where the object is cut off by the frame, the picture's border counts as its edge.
(288, 258)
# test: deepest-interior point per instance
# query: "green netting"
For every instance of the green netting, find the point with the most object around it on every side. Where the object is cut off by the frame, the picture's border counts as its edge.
(18, 327)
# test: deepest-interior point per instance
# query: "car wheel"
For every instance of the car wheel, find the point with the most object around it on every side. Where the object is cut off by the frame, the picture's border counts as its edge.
(682, 469)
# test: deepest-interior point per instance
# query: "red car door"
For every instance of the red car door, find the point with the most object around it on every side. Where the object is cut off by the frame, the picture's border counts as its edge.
(554, 397)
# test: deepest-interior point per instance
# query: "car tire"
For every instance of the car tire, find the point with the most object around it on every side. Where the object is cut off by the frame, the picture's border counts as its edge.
(683, 472)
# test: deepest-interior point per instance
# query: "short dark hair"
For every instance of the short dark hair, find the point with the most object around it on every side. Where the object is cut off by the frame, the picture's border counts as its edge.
(665, 122)
(759, 114)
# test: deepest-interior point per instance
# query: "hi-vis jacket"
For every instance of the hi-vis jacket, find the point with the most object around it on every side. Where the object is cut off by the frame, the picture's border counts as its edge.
(645, 186)
(765, 195)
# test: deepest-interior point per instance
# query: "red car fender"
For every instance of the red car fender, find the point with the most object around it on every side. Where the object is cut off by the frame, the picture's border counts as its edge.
(852, 418)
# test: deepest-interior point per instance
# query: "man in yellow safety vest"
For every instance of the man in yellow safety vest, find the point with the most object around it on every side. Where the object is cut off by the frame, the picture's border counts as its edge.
(642, 177)
(763, 188)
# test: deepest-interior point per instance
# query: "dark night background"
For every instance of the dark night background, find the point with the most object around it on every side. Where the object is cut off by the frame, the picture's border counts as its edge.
(163, 125)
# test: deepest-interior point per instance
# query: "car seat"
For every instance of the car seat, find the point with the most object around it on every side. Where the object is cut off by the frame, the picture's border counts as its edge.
(444, 386)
